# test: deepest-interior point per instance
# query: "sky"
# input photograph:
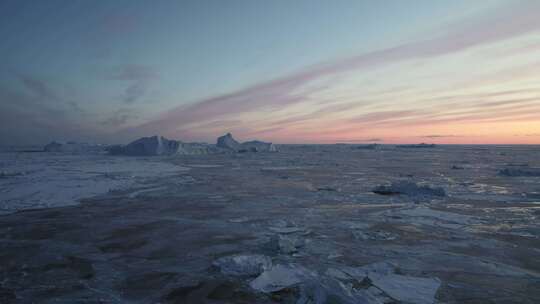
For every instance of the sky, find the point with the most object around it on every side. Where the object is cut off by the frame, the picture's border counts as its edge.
(304, 71)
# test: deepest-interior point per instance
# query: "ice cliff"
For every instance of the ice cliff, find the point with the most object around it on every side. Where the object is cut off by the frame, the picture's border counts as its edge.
(159, 145)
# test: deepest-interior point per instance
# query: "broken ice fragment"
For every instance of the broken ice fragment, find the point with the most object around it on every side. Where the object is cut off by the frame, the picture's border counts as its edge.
(289, 244)
(408, 188)
(375, 235)
(243, 265)
(278, 278)
(360, 273)
(286, 230)
(407, 289)
(514, 172)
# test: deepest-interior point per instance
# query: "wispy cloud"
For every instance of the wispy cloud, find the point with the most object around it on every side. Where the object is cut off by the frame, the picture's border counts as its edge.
(32, 119)
(37, 87)
(120, 117)
(498, 25)
(139, 77)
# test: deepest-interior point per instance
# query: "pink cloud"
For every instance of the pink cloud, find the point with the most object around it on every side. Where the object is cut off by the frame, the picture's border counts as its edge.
(507, 22)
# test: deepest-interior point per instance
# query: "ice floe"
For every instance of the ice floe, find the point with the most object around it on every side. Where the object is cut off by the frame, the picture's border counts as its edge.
(426, 216)
(514, 172)
(289, 244)
(407, 289)
(38, 180)
(373, 283)
(278, 278)
(409, 188)
(243, 265)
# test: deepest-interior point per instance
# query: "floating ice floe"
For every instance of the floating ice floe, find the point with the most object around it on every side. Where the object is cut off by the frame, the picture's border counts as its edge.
(278, 278)
(427, 216)
(373, 283)
(8, 174)
(362, 272)
(409, 188)
(243, 265)
(285, 227)
(407, 289)
(515, 172)
(289, 244)
(286, 230)
(241, 219)
(377, 235)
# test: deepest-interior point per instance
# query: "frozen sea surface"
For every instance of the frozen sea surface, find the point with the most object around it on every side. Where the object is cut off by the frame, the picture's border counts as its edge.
(39, 180)
(299, 226)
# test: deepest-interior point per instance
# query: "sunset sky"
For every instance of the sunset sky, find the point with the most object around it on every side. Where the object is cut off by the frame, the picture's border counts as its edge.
(456, 71)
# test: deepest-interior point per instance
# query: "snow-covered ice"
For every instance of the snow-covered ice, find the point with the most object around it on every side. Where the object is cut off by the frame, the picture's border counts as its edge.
(38, 180)
(299, 226)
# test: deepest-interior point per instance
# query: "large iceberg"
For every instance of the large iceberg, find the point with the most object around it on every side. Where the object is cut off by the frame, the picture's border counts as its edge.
(227, 142)
(159, 145)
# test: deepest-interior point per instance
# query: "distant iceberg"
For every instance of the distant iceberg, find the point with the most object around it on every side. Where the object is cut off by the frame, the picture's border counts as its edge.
(228, 142)
(408, 188)
(159, 145)
(73, 147)
(414, 146)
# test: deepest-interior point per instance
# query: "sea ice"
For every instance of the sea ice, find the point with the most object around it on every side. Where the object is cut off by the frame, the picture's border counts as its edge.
(289, 244)
(37, 180)
(513, 172)
(409, 188)
(278, 278)
(243, 265)
(73, 147)
(407, 289)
